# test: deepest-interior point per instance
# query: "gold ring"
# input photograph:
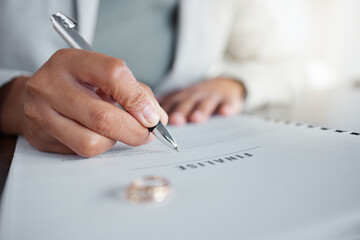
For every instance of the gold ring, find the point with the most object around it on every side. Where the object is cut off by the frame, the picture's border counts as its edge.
(147, 189)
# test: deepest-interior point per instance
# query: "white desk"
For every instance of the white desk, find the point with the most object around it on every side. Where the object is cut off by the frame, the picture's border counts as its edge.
(338, 109)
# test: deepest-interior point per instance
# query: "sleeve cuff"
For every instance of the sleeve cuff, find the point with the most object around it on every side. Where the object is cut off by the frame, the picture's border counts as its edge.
(7, 75)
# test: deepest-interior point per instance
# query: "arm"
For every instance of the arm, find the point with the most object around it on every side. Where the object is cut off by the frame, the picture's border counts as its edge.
(11, 105)
(6, 75)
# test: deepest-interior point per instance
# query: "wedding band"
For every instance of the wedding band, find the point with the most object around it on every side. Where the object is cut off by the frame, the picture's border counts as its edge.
(148, 189)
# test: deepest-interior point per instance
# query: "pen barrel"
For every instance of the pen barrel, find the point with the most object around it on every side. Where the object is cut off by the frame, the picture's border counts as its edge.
(71, 36)
(159, 135)
(66, 29)
(163, 135)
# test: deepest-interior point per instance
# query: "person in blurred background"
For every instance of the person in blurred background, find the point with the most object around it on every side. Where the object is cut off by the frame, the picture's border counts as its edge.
(200, 58)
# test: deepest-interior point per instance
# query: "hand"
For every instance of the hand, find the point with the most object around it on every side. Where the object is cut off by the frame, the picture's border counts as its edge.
(68, 106)
(197, 103)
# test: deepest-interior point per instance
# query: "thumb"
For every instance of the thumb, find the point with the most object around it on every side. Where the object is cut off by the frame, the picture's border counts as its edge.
(141, 106)
(136, 100)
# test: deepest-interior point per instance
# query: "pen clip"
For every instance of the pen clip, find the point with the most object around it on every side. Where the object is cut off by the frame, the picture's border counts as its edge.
(65, 20)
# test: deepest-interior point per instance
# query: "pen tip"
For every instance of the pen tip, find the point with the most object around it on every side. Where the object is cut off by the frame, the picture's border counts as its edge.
(176, 148)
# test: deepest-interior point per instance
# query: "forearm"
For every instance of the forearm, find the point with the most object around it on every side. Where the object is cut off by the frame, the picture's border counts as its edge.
(12, 105)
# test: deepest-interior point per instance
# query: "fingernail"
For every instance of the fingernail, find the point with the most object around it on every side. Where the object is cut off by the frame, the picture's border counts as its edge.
(177, 118)
(227, 110)
(197, 116)
(151, 115)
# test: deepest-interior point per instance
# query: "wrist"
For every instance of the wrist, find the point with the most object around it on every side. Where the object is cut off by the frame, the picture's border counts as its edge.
(12, 105)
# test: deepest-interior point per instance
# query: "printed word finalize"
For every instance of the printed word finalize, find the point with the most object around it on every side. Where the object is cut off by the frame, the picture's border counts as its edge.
(213, 162)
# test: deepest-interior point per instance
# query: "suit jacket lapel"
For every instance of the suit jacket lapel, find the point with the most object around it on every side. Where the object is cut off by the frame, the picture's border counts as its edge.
(188, 38)
(201, 35)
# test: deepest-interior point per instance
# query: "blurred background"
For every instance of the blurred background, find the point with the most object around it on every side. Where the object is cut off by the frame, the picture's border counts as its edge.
(326, 34)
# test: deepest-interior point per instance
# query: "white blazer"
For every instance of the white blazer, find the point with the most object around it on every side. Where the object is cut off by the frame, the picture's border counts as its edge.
(215, 38)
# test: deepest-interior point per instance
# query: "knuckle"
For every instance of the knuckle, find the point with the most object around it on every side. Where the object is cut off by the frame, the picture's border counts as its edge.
(146, 88)
(61, 53)
(131, 94)
(37, 83)
(60, 57)
(92, 146)
(104, 121)
(136, 99)
(31, 86)
(38, 86)
(116, 69)
(29, 111)
(41, 82)
(109, 122)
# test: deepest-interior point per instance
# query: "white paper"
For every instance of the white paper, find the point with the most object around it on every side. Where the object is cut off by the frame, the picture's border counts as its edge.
(234, 178)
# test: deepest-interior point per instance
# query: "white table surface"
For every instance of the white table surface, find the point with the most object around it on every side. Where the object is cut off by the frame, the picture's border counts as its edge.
(337, 109)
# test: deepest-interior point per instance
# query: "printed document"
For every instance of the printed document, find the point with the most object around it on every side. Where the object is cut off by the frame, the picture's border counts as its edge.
(241, 177)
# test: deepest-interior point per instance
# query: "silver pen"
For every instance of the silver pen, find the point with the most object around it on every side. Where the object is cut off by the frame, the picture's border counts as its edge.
(66, 27)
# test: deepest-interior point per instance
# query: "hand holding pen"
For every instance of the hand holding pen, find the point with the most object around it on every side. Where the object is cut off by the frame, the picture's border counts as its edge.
(61, 113)
(66, 27)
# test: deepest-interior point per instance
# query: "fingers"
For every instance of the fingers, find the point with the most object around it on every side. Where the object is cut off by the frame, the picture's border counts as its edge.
(100, 116)
(62, 134)
(77, 89)
(181, 111)
(183, 108)
(163, 115)
(230, 107)
(177, 118)
(196, 111)
(105, 96)
(197, 103)
(205, 109)
(87, 143)
(43, 141)
(114, 77)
